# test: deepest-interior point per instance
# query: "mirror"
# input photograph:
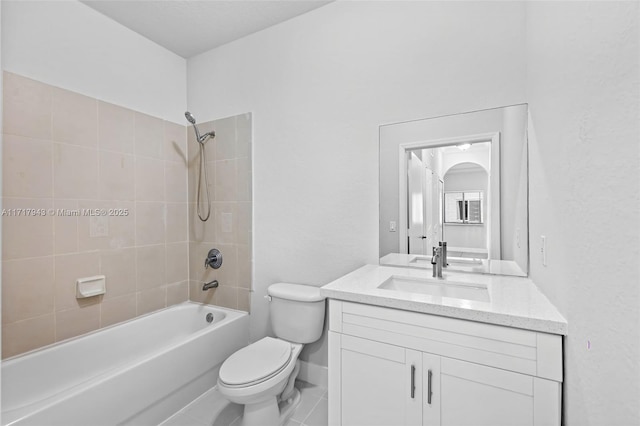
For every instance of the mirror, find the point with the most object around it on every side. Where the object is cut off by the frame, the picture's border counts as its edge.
(461, 179)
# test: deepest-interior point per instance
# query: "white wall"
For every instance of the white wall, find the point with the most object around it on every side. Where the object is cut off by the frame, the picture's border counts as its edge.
(583, 89)
(318, 87)
(69, 45)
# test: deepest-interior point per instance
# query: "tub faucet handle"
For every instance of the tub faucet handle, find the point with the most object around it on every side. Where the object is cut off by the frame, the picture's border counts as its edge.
(214, 259)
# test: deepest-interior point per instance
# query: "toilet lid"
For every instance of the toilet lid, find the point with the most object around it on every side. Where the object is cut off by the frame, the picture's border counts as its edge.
(256, 362)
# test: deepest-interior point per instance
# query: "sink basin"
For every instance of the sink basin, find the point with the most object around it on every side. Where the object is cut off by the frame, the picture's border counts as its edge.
(437, 288)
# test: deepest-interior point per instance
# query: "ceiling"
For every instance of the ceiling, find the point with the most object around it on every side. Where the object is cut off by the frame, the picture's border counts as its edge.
(190, 27)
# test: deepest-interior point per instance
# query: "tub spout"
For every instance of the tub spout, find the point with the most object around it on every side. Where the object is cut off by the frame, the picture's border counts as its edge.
(212, 284)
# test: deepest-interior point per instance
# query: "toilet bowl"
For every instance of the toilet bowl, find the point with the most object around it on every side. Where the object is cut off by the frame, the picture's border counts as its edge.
(261, 376)
(259, 370)
(256, 376)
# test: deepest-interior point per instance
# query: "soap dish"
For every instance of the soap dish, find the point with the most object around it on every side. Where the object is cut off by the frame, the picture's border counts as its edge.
(91, 286)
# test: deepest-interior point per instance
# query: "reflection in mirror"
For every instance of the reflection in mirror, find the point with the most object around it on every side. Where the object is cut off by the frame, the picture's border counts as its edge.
(463, 205)
(460, 179)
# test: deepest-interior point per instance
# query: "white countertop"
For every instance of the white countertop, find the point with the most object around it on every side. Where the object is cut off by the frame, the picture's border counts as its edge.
(514, 301)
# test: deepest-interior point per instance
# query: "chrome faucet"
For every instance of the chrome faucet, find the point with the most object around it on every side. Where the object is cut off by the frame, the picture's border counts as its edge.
(436, 262)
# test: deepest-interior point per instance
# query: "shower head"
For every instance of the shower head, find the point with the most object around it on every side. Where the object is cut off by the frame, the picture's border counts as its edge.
(201, 139)
(190, 118)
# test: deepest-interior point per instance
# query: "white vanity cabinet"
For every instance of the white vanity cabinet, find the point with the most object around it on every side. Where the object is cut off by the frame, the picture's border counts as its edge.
(393, 367)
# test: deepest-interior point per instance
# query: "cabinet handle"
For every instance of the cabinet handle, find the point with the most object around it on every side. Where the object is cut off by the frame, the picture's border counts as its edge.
(413, 381)
(429, 392)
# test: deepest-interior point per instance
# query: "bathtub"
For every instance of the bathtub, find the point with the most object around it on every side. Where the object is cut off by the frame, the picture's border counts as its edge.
(135, 373)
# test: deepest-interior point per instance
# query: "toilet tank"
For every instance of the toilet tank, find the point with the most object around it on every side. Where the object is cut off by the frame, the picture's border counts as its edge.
(297, 312)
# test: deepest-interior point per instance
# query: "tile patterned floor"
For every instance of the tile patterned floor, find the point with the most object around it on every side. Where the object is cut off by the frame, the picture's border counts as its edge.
(313, 408)
(211, 409)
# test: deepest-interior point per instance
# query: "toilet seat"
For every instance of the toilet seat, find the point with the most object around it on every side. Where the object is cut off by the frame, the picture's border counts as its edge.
(256, 363)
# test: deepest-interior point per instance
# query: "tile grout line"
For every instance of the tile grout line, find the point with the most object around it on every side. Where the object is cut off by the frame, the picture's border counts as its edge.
(53, 221)
(164, 210)
(100, 195)
(135, 214)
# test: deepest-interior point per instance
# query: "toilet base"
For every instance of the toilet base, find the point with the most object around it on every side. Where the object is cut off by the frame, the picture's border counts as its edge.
(288, 407)
(269, 412)
(263, 413)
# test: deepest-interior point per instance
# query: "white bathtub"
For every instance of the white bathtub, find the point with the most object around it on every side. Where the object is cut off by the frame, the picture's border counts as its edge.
(138, 372)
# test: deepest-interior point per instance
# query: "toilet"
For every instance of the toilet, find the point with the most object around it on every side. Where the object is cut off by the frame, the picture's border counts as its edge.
(261, 376)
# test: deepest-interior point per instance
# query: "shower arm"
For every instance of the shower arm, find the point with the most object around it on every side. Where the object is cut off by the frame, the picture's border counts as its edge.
(202, 139)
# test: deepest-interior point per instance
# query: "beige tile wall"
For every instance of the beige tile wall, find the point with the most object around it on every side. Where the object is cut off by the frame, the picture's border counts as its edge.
(63, 150)
(229, 227)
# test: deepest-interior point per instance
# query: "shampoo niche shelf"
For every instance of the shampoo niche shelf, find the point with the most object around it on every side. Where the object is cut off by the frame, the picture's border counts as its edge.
(91, 286)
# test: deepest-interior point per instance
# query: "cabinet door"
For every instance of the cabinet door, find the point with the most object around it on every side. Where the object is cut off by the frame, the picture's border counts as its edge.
(472, 394)
(379, 384)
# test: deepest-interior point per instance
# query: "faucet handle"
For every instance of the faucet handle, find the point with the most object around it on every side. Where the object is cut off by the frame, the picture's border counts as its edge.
(437, 253)
(214, 259)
